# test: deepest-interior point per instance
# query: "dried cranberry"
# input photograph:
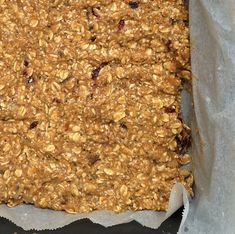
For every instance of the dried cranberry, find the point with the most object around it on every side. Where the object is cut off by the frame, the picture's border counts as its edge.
(25, 73)
(133, 5)
(33, 125)
(121, 24)
(95, 73)
(170, 109)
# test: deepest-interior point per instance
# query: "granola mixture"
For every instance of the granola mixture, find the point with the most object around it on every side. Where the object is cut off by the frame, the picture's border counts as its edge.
(90, 112)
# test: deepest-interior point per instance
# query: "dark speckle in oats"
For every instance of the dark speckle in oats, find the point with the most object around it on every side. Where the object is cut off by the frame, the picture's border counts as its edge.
(33, 125)
(30, 80)
(95, 73)
(25, 73)
(123, 125)
(56, 100)
(26, 63)
(93, 38)
(121, 24)
(94, 12)
(133, 4)
(170, 109)
(92, 159)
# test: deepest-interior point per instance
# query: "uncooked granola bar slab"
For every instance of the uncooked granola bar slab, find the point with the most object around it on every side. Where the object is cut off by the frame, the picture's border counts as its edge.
(90, 114)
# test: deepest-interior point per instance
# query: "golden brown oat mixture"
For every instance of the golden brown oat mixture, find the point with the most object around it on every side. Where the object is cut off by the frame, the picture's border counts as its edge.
(90, 103)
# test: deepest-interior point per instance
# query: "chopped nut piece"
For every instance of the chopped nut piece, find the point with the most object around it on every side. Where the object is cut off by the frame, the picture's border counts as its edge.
(89, 187)
(6, 174)
(165, 117)
(123, 190)
(108, 171)
(34, 23)
(18, 172)
(118, 116)
(50, 148)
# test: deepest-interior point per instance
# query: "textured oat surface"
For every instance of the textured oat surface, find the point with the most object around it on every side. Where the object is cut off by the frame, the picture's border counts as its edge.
(90, 103)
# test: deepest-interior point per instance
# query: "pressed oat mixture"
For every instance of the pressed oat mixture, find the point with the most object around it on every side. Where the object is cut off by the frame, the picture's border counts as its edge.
(90, 103)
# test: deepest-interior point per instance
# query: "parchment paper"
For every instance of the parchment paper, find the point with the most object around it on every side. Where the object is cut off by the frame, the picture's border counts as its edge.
(213, 63)
(28, 217)
(212, 24)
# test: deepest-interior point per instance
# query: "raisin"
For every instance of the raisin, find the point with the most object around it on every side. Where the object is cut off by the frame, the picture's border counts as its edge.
(95, 73)
(121, 24)
(133, 5)
(170, 109)
(169, 45)
(26, 63)
(33, 125)
(92, 159)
